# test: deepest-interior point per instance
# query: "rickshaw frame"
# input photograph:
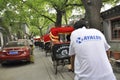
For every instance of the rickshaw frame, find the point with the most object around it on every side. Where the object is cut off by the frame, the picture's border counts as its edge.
(60, 49)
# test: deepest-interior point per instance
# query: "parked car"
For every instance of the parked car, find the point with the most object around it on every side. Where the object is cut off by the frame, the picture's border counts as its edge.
(20, 50)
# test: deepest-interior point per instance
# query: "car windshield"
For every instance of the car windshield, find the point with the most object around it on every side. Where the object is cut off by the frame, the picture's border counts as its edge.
(15, 44)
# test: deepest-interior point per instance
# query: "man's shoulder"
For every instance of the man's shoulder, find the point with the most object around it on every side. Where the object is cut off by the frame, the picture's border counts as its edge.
(84, 30)
(76, 31)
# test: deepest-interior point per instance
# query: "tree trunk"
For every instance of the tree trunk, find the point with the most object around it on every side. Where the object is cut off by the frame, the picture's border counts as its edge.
(19, 35)
(58, 18)
(93, 8)
(40, 29)
(65, 18)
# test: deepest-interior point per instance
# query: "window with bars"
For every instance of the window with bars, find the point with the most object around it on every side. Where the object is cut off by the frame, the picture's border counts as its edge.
(115, 27)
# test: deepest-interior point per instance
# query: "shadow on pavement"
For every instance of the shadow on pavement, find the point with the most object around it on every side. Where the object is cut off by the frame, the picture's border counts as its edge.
(14, 64)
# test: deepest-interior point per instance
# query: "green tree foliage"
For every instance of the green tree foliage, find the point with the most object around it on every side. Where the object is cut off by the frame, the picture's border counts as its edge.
(62, 7)
(36, 13)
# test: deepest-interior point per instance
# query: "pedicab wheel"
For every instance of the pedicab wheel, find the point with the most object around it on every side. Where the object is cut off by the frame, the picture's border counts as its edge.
(55, 66)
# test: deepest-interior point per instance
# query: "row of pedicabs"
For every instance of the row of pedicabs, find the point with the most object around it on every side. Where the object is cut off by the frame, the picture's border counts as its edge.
(57, 43)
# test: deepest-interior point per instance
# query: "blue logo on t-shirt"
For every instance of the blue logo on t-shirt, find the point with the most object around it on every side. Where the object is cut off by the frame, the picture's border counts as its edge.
(79, 40)
(88, 38)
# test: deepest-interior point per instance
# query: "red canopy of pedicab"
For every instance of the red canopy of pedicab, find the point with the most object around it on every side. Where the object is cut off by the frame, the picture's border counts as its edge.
(46, 38)
(55, 31)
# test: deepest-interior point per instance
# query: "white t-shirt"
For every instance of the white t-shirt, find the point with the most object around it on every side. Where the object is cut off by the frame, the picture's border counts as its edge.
(89, 47)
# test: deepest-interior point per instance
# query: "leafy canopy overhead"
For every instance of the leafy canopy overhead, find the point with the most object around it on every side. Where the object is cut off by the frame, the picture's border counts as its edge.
(36, 13)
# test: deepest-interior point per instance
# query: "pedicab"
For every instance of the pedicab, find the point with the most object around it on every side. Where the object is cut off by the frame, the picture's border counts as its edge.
(47, 43)
(60, 45)
(36, 41)
(41, 43)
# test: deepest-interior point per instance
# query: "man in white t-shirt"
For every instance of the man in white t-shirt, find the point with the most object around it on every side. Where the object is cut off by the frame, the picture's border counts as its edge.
(91, 62)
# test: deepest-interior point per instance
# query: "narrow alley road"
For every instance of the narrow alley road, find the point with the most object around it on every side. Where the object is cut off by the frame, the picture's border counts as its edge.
(42, 69)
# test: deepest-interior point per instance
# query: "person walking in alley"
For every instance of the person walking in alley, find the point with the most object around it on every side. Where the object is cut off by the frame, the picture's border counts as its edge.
(89, 47)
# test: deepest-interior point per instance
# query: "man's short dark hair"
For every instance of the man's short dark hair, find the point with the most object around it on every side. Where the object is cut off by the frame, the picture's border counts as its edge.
(79, 24)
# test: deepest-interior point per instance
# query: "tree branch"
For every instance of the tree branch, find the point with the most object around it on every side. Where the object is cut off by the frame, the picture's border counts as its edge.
(39, 12)
(74, 5)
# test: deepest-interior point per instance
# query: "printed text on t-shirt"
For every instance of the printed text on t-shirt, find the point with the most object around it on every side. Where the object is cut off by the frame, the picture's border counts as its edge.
(88, 38)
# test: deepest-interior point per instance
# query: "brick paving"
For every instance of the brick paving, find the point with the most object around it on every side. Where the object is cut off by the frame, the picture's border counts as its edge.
(64, 74)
